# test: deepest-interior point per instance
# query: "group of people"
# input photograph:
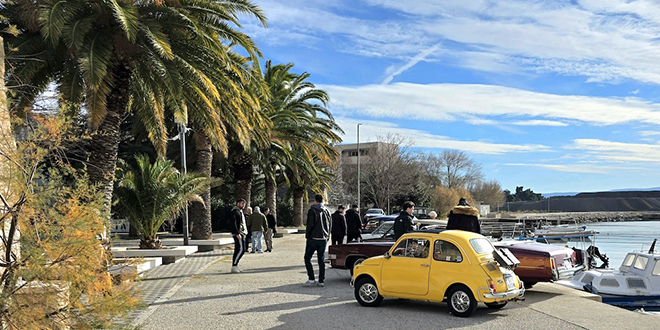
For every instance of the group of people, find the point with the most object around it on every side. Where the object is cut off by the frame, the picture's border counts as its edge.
(346, 224)
(321, 225)
(257, 227)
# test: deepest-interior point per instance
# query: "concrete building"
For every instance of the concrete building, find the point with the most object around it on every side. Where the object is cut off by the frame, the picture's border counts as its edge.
(349, 152)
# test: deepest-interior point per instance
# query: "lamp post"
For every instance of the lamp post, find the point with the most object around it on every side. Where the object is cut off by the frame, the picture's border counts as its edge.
(182, 139)
(358, 165)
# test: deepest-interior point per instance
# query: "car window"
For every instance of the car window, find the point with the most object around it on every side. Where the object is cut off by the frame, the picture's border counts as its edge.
(412, 248)
(482, 246)
(383, 228)
(445, 251)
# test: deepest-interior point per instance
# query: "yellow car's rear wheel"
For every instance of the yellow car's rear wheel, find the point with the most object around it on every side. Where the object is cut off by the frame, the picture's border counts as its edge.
(461, 301)
(366, 293)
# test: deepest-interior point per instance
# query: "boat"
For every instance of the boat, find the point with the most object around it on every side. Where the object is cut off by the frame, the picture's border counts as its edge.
(563, 232)
(635, 285)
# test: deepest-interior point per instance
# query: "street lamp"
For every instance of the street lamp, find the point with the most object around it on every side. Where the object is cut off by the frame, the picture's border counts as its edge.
(182, 139)
(358, 165)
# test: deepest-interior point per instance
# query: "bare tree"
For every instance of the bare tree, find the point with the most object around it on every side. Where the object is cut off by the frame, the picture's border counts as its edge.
(455, 168)
(386, 172)
(488, 192)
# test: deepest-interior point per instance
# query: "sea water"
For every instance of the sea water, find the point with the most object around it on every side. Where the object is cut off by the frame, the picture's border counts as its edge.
(616, 239)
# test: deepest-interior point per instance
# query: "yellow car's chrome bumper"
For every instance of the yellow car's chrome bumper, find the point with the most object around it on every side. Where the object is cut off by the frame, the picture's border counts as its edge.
(506, 295)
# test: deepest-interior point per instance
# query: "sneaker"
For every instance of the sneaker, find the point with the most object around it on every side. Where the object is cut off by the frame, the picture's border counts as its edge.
(234, 270)
(309, 283)
(321, 284)
(260, 252)
(251, 251)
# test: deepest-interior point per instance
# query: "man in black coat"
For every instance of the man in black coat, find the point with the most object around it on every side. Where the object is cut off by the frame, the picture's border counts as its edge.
(404, 222)
(464, 217)
(353, 224)
(338, 226)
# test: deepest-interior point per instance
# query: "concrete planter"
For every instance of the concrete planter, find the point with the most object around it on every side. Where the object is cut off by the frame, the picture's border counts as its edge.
(169, 255)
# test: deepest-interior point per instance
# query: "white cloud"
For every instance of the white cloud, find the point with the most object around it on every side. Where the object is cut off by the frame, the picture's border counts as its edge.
(447, 102)
(575, 168)
(539, 123)
(620, 152)
(648, 133)
(370, 130)
(606, 40)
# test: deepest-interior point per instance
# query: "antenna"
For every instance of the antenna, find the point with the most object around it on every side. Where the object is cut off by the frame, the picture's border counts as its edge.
(652, 246)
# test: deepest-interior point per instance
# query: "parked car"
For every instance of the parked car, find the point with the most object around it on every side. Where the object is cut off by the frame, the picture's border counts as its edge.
(541, 262)
(372, 213)
(374, 222)
(538, 262)
(385, 231)
(462, 268)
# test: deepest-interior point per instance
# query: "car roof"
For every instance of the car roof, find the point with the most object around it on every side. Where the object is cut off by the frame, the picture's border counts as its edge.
(458, 235)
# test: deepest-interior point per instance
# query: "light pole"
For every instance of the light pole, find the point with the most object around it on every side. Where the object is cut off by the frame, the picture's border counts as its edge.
(358, 164)
(182, 139)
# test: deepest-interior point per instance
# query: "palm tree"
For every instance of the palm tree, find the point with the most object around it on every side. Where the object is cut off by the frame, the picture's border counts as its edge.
(303, 131)
(148, 56)
(151, 194)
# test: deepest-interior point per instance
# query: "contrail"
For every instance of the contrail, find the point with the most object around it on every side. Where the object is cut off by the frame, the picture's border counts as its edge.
(413, 61)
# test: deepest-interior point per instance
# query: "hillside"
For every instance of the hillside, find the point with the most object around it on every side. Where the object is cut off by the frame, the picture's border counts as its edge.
(594, 202)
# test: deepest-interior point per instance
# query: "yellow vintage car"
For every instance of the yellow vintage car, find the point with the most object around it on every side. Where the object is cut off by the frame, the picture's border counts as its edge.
(453, 265)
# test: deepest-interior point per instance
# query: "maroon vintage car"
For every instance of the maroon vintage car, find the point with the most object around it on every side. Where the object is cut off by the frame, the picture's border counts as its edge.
(539, 262)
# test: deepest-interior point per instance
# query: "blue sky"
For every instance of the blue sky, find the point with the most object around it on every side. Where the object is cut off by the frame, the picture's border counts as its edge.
(557, 96)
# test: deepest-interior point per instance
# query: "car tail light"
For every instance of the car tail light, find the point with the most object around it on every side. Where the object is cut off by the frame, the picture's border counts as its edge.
(553, 266)
(491, 285)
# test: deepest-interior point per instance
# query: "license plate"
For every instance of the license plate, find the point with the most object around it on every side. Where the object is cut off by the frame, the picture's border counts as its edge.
(510, 282)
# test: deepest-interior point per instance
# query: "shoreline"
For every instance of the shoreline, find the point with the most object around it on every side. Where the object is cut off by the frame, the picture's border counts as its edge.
(581, 217)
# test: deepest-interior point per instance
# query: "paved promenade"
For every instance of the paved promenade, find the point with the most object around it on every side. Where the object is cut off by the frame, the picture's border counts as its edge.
(200, 293)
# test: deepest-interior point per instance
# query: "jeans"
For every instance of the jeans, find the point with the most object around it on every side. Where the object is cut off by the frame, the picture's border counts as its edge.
(268, 237)
(317, 246)
(256, 241)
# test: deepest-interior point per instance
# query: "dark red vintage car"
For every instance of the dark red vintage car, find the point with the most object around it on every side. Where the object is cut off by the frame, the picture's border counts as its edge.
(539, 262)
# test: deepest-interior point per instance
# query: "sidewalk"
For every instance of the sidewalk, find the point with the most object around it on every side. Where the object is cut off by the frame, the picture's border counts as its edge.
(200, 293)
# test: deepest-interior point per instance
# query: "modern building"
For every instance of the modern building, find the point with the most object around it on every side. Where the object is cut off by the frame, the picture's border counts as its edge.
(349, 152)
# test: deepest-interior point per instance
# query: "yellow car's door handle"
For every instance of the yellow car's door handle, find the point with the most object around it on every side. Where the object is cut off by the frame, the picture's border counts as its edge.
(426, 265)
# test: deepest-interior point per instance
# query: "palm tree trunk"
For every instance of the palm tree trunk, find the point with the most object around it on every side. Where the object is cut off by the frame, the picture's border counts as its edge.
(271, 196)
(200, 214)
(243, 177)
(103, 150)
(298, 194)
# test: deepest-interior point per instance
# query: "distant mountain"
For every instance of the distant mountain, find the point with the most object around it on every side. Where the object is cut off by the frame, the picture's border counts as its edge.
(556, 194)
(560, 194)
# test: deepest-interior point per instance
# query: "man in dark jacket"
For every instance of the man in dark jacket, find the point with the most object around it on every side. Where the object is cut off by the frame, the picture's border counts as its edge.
(272, 229)
(317, 233)
(404, 222)
(464, 217)
(338, 226)
(353, 224)
(239, 233)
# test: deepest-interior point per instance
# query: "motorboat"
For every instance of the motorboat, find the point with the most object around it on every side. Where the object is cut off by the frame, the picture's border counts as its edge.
(636, 284)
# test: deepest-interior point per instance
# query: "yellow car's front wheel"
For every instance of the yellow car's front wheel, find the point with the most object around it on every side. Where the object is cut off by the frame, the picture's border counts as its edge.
(366, 292)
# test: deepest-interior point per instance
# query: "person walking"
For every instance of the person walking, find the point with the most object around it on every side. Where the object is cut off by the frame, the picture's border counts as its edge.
(464, 217)
(257, 221)
(272, 229)
(317, 233)
(353, 224)
(404, 222)
(338, 226)
(239, 234)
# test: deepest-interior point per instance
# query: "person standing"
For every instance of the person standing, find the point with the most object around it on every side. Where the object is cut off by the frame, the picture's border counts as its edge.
(317, 233)
(259, 224)
(272, 229)
(433, 215)
(239, 234)
(338, 226)
(464, 217)
(248, 240)
(353, 224)
(404, 222)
